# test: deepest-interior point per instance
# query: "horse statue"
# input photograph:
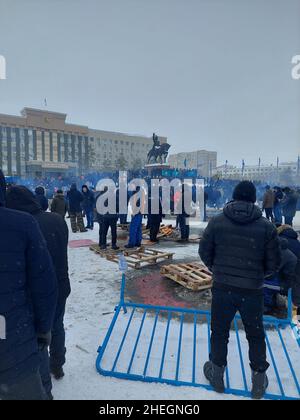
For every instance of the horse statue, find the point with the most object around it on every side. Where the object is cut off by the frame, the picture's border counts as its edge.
(159, 152)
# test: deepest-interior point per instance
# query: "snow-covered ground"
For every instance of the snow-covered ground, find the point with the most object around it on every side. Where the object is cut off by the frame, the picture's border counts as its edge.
(95, 293)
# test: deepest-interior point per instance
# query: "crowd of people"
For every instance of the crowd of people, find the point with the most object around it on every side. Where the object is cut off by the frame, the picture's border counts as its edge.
(254, 261)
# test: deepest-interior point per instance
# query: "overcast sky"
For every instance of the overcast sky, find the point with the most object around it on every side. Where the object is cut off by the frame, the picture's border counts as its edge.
(213, 74)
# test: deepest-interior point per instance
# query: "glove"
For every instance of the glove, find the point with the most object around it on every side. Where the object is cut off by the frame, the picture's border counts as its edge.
(44, 340)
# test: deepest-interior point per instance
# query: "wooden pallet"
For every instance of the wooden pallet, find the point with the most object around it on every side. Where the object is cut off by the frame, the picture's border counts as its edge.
(140, 258)
(136, 258)
(109, 251)
(175, 237)
(193, 276)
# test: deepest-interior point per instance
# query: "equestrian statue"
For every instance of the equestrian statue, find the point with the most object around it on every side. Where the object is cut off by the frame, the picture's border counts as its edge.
(159, 152)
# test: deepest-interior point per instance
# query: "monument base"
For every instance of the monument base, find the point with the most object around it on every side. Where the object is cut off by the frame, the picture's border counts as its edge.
(156, 169)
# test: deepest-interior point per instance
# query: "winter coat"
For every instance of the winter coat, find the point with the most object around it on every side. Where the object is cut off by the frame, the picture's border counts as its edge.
(75, 199)
(289, 204)
(291, 236)
(278, 196)
(240, 247)
(28, 292)
(268, 200)
(88, 202)
(54, 230)
(107, 216)
(287, 270)
(41, 198)
(59, 205)
(287, 232)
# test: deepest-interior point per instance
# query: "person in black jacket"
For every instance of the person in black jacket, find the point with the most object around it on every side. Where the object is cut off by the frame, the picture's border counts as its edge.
(289, 205)
(40, 195)
(154, 220)
(28, 297)
(106, 221)
(88, 205)
(75, 199)
(241, 248)
(55, 232)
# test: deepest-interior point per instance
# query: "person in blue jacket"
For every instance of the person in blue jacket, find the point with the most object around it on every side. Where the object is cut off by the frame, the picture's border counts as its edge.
(28, 297)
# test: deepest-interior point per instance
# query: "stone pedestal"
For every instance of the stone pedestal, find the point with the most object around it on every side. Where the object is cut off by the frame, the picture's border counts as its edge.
(155, 168)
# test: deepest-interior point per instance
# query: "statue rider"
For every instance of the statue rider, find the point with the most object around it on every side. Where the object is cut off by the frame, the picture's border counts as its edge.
(156, 142)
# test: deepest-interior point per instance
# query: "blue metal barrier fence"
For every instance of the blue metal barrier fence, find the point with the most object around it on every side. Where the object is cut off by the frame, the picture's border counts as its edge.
(155, 344)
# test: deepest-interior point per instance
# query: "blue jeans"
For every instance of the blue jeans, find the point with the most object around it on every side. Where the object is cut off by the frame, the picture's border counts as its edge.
(135, 231)
(288, 220)
(225, 305)
(278, 214)
(90, 217)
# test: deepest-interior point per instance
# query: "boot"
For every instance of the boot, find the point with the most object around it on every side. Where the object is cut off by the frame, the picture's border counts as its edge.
(215, 376)
(58, 373)
(260, 384)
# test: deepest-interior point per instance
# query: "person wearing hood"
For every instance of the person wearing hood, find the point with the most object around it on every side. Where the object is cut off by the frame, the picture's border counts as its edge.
(75, 198)
(88, 205)
(282, 281)
(55, 232)
(28, 297)
(59, 204)
(241, 248)
(40, 195)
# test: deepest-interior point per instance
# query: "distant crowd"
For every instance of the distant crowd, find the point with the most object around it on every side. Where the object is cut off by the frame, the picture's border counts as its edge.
(254, 262)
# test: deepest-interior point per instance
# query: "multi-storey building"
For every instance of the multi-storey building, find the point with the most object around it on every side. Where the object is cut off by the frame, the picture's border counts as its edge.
(204, 161)
(42, 143)
(262, 172)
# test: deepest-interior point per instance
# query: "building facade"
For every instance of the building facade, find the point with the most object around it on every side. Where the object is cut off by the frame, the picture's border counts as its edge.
(41, 143)
(283, 172)
(203, 160)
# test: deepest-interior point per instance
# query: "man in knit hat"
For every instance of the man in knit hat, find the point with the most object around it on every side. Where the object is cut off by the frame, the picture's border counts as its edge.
(241, 248)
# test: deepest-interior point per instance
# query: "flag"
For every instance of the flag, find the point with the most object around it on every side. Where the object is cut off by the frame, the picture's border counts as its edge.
(277, 162)
(243, 167)
(185, 163)
(45, 102)
(259, 163)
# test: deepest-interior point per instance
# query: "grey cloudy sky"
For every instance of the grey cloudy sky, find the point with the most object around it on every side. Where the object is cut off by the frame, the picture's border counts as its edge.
(212, 74)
